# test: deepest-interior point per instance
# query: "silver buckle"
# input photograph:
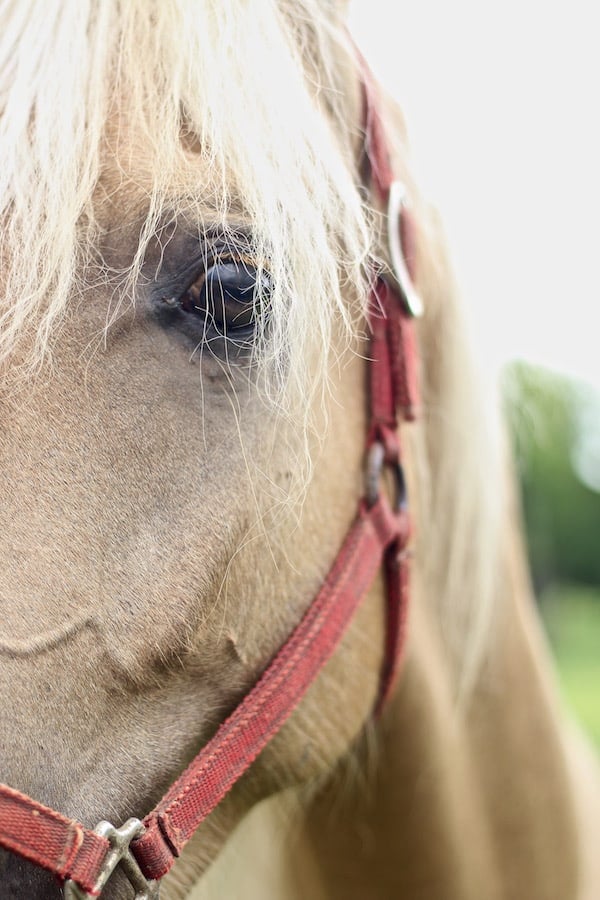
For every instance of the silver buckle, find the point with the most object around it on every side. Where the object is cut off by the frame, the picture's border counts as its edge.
(396, 200)
(118, 855)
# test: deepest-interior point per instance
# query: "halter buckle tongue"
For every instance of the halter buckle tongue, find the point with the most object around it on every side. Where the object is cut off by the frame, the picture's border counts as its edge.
(119, 855)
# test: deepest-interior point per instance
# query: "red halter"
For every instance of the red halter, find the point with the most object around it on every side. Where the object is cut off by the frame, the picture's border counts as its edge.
(85, 859)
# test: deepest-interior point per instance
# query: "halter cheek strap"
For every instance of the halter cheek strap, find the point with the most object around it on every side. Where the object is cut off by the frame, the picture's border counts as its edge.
(84, 859)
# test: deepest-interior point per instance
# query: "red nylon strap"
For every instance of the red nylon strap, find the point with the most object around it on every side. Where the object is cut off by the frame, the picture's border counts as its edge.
(393, 369)
(397, 586)
(69, 850)
(393, 379)
(263, 711)
(395, 364)
(376, 144)
(50, 840)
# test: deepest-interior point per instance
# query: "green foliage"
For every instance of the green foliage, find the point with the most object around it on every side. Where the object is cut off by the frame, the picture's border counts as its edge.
(555, 427)
(572, 617)
(554, 424)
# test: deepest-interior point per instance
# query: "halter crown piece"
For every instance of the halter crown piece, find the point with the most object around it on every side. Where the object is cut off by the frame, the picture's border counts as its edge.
(84, 860)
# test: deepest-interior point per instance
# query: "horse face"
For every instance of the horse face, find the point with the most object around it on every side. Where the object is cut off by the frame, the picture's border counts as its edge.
(152, 562)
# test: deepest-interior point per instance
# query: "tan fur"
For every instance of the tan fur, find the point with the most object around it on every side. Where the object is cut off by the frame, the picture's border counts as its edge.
(168, 513)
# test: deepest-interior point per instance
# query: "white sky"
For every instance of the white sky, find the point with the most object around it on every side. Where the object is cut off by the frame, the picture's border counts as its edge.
(503, 112)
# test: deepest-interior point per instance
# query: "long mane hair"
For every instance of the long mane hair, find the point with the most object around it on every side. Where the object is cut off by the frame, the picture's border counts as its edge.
(258, 88)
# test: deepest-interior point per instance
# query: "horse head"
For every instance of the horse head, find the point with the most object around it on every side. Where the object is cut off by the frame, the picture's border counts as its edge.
(193, 326)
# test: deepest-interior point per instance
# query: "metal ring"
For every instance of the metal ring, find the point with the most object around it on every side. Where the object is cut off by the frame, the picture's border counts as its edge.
(376, 463)
(397, 199)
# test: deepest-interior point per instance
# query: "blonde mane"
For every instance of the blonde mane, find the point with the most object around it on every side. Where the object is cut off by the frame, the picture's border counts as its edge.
(230, 77)
(247, 84)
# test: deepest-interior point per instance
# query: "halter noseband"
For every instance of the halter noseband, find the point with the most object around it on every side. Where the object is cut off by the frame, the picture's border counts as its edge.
(85, 860)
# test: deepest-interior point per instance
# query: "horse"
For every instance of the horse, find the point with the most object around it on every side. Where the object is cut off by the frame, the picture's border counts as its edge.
(189, 241)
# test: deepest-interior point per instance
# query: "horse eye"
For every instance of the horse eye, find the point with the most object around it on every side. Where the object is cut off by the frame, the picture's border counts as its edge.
(225, 294)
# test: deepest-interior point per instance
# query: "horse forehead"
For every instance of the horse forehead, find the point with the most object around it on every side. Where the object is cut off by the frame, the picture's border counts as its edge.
(186, 222)
(128, 181)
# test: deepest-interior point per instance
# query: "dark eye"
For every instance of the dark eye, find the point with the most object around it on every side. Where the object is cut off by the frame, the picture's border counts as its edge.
(225, 295)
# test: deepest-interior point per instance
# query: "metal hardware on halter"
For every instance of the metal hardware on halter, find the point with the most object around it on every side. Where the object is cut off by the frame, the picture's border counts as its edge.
(376, 462)
(118, 855)
(397, 201)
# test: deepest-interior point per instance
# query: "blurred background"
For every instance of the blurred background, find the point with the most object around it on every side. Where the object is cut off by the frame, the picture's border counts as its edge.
(501, 101)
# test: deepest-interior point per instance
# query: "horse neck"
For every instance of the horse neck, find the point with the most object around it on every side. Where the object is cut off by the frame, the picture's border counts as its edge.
(458, 804)
(432, 801)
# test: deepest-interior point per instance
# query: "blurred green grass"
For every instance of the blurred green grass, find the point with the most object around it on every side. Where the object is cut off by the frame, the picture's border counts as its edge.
(572, 618)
